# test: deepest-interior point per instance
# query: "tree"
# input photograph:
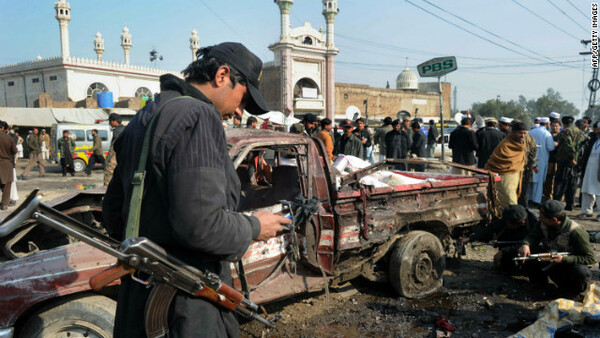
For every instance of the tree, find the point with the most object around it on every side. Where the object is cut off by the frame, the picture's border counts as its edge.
(526, 110)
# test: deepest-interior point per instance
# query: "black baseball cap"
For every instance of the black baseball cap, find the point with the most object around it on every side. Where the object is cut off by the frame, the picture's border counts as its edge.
(551, 208)
(515, 213)
(249, 65)
(309, 118)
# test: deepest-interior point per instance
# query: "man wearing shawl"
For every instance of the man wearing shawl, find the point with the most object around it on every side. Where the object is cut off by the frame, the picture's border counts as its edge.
(508, 160)
(545, 142)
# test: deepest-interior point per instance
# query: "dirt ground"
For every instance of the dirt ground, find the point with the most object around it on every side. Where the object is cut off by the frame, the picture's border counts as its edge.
(476, 299)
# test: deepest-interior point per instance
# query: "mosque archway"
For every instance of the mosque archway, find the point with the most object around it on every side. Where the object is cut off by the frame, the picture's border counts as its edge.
(306, 88)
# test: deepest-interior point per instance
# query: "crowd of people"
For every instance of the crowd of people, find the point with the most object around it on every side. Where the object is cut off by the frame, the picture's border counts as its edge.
(539, 167)
(396, 139)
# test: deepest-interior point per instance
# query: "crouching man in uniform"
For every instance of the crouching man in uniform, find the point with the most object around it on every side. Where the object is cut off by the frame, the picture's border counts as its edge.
(556, 232)
(515, 224)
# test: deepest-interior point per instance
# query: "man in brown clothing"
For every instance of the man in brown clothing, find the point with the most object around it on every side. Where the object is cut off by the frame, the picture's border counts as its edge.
(325, 137)
(35, 155)
(8, 149)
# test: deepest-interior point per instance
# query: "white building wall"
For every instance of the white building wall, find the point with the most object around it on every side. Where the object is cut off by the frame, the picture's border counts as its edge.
(73, 77)
(120, 85)
(304, 69)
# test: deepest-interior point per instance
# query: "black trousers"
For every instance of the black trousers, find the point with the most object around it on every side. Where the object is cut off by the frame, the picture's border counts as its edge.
(188, 316)
(92, 161)
(570, 278)
(565, 181)
(67, 167)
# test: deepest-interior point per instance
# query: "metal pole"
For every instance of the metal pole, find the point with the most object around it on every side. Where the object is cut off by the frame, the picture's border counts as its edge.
(441, 118)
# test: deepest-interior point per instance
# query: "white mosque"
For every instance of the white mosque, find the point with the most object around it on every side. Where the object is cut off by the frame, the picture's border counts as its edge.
(74, 81)
(299, 80)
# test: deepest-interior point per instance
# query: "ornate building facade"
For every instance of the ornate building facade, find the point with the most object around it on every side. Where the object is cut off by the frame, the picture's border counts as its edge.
(74, 81)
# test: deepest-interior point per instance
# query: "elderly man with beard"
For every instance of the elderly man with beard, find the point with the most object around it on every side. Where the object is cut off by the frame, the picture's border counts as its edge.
(508, 160)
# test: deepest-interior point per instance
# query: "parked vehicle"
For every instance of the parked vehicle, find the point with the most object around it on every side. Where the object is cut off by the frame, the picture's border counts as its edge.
(401, 234)
(82, 135)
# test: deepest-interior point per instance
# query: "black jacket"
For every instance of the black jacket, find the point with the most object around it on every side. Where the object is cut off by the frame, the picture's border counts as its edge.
(191, 194)
(463, 143)
(432, 135)
(117, 131)
(396, 144)
(586, 152)
(418, 144)
(487, 140)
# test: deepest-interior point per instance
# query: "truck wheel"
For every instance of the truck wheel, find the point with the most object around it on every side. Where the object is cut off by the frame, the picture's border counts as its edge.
(78, 165)
(417, 264)
(84, 316)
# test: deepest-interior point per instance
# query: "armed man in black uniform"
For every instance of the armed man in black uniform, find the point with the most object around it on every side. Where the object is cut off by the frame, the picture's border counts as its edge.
(192, 189)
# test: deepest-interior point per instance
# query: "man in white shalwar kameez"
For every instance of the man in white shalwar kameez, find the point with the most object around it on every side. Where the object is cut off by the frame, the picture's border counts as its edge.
(545, 144)
(590, 182)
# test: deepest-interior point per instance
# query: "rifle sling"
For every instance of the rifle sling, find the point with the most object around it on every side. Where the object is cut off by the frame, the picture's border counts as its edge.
(132, 228)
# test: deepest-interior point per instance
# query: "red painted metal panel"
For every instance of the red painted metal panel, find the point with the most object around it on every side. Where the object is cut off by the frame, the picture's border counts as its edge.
(50, 274)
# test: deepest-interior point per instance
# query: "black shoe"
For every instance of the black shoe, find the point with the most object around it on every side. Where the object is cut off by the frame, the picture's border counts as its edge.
(3, 208)
(72, 175)
(569, 208)
(12, 203)
(22, 178)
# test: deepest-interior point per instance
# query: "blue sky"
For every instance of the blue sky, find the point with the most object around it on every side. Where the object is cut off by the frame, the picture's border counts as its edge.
(376, 38)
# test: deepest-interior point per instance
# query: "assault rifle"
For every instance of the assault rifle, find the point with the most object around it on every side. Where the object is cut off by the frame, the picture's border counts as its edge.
(165, 273)
(497, 244)
(542, 256)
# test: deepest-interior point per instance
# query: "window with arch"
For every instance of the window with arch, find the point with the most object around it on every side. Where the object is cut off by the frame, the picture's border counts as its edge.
(95, 88)
(308, 40)
(143, 91)
(306, 88)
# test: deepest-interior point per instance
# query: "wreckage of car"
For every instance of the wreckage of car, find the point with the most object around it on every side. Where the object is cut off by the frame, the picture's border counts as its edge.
(399, 232)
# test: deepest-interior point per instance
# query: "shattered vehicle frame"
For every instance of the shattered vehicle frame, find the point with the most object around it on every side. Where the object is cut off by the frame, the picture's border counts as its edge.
(401, 234)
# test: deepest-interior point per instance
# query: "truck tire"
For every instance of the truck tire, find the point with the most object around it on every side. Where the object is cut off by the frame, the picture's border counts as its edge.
(78, 165)
(85, 315)
(417, 264)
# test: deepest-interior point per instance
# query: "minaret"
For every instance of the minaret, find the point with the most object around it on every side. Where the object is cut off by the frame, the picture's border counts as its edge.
(330, 10)
(63, 15)
(284, 9)
(99, 45)
(285, 51)
(126, 43)
(194, 44)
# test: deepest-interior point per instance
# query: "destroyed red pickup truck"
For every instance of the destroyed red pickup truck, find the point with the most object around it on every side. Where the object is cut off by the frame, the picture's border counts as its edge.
(400, 233)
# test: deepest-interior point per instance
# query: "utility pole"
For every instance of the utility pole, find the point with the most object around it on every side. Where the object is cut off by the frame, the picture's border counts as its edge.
(498, 106)
(594, 83)
(454, 100)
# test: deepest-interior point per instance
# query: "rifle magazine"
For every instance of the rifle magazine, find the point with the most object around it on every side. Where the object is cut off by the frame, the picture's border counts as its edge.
(157, 310)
